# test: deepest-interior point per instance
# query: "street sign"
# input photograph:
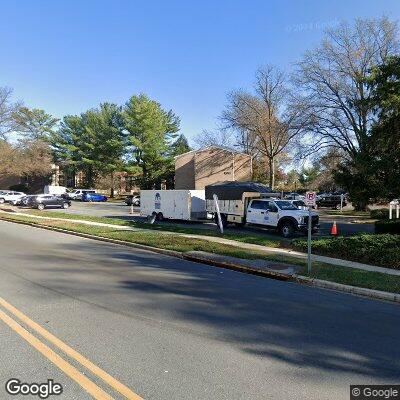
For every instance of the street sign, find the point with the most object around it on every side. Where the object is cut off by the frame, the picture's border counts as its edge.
(311, 199)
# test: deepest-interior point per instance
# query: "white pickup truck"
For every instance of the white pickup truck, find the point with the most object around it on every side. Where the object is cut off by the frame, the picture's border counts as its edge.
(245, 203)
(281, 215)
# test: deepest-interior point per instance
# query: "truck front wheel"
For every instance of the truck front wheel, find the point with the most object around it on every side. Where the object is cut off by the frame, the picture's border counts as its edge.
(286, 229)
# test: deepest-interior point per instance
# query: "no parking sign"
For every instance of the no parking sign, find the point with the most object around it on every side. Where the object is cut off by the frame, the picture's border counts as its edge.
(311, 198)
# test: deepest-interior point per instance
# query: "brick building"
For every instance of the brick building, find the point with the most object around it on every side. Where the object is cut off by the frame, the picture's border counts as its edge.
(198, 168)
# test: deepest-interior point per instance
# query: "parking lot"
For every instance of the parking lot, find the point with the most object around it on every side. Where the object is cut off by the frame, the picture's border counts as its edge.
(347, 225)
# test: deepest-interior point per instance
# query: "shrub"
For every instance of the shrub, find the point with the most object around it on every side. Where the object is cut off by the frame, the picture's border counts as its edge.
(381, 213)
(19, 188)
(380, 250)
(388, 226)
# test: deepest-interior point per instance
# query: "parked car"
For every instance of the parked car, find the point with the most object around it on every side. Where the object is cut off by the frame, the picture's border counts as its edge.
(294, 196)
(132, 200)
(89, 197)
(77, 194)
(10, 197)
(25, 200)
(299, 204)
(332, 201)
(48, 201)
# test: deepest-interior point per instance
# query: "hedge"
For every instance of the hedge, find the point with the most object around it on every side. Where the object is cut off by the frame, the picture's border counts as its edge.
(388, 226)
(381, 213)
(382, 250)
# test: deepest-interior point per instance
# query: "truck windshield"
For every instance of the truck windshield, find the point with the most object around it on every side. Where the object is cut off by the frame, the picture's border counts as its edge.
(285, 205)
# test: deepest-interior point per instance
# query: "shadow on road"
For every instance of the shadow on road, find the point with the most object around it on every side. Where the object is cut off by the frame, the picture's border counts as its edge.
(300, 326)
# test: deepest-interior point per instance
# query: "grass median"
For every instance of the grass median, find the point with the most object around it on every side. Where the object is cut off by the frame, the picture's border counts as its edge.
(338, 274)
(262, 239)
(351, 213)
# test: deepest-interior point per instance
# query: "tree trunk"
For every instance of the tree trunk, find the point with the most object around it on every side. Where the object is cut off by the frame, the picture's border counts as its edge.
(112, 185)
(271, 163)
(360, 205)
(89, 178)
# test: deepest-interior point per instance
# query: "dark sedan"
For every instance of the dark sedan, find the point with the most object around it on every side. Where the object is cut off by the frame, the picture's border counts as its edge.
(332, 201)
(48, 201)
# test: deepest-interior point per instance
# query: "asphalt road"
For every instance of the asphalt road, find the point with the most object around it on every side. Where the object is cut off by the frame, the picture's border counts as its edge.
(120, 210)
(171, 329)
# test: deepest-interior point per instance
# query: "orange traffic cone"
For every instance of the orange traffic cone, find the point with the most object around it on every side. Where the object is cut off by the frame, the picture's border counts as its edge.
(334, 229)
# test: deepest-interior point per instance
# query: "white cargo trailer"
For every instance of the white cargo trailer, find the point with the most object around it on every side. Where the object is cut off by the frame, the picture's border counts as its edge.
(188, 205)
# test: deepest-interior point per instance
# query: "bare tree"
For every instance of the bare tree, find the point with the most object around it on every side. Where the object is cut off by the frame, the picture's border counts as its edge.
(8, 155)
(25, 158)
(220, 137)
(269, 120)
(333, 80)
(7, 110)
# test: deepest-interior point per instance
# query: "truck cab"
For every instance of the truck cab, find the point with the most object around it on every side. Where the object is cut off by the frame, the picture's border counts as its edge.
(279, 214)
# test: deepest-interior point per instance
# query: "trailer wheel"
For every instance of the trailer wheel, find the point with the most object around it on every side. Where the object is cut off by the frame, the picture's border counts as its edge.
(152, 218)
(160, 217)
(224, 219)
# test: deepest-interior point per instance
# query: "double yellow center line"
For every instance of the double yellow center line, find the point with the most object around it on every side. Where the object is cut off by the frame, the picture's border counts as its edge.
(94, 390)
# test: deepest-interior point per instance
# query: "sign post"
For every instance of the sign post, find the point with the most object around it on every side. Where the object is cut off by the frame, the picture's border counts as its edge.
(392, 205)
(221, 227)
(310, 202)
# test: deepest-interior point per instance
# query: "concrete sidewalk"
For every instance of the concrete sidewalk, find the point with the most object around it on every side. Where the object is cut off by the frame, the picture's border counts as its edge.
(247, 246)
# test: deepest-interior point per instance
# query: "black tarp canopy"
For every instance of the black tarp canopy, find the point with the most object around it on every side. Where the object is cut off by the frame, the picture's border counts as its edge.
(233, 190)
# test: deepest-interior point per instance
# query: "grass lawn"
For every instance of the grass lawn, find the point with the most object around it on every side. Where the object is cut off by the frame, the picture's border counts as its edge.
(353, 277)
(364, 214)
(349, 276)
(245, 237)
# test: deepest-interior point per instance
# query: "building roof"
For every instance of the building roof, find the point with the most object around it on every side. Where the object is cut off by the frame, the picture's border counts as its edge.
(212, 147)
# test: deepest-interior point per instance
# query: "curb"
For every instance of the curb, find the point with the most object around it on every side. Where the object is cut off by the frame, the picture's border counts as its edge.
(375, 294)
(292, 252)
(371, 293)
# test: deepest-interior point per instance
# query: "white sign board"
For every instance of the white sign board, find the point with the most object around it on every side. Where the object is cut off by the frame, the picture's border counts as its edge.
(311, 198)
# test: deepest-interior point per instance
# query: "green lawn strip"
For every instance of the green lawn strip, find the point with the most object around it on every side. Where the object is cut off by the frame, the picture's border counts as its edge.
(364, 214)
(354, 277)
(247, 237)
(338, 274)
(154, 239)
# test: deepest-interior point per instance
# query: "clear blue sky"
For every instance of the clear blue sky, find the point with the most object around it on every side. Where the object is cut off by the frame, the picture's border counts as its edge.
(68, 56)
